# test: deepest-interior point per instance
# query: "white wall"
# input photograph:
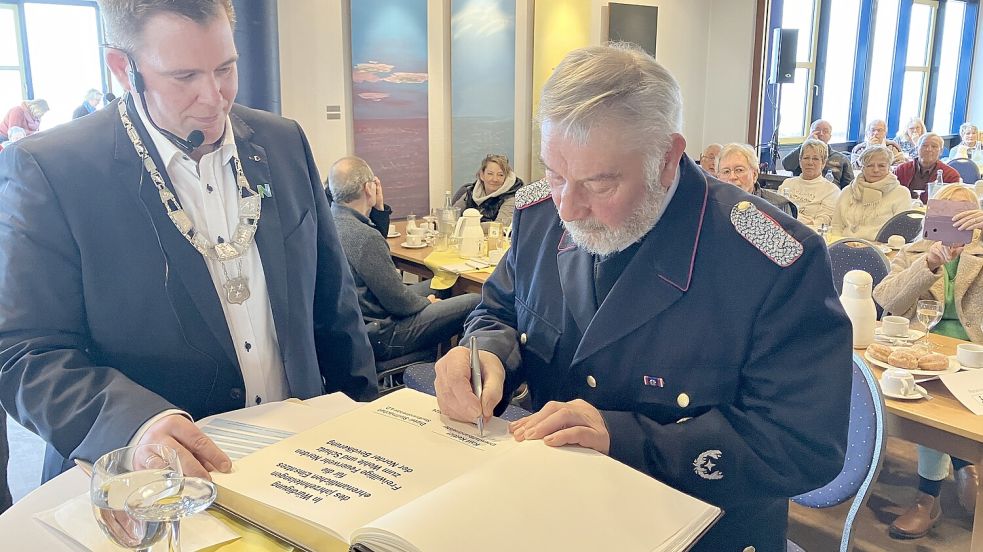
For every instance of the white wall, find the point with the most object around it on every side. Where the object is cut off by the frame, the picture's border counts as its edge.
(975, 113)
(706, 44)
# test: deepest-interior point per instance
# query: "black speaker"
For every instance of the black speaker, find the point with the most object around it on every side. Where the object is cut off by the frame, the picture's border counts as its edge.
(784, 43)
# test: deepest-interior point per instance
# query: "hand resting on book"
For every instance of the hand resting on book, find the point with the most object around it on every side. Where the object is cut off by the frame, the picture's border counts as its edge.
(575, 422)
(198, 454)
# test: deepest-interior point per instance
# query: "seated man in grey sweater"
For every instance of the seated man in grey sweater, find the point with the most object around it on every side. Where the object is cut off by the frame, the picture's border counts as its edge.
(399, 319)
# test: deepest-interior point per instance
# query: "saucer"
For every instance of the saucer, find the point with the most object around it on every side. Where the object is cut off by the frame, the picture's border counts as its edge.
(408, 246)
(906, 397)
(955, 361)
(912, 335)
(884, 248)
(394, 235)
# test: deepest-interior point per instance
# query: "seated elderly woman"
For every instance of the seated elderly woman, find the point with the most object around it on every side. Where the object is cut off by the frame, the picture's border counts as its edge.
(737, 164)
(814, 196)
(877, 136)
(951, 275)
(969, 135)
(492, 192)
(909, 135)
(917, 173)
(708, 159)
(873, 197)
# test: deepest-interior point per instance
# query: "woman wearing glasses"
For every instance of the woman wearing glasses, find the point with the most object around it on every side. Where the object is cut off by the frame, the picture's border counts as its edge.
(737, 164)
(951, 276)
(492, 192)
(873, 197)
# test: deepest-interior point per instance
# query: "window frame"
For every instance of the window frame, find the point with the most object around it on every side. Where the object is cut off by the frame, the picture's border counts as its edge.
(862, 64)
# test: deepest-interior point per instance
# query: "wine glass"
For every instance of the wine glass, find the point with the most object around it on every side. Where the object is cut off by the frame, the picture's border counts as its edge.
(824, 231)
(929, 313)
(169, 501)
(114, 478)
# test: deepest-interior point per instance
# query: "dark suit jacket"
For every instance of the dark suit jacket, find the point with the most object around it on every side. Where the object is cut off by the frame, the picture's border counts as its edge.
(716, 370)
(108, 315)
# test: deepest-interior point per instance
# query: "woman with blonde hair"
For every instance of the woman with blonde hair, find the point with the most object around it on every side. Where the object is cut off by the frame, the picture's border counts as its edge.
(814, 196)
(952, 275)
(908, 137)
(874, 196)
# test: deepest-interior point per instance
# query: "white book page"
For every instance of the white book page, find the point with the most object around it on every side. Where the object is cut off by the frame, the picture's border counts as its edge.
(358, 466)
(541, 498)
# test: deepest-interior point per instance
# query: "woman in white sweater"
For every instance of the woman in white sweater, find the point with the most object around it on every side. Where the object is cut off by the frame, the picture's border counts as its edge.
(814, 196)
(873, 197)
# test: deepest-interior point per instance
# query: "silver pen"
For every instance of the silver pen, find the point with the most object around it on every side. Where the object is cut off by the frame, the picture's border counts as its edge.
(476, 381)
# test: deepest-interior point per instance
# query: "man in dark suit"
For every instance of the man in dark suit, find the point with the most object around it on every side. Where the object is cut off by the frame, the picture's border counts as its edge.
(675, 323)
(147, 279)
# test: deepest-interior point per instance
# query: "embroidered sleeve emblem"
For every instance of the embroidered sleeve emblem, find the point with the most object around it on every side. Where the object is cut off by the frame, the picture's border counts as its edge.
(532, 193)
(765, 234)
(704, 465)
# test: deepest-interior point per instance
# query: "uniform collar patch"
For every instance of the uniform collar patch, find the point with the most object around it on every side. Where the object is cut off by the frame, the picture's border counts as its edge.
(532, 193)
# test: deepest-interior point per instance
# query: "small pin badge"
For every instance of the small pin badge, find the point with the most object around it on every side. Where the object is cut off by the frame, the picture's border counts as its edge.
(265, 190)
(653, 382)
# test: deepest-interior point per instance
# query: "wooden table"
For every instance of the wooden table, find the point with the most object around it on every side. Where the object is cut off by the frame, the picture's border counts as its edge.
(411, 260)
(942, 423)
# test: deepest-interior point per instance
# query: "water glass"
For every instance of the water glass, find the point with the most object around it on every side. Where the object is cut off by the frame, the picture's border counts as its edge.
(169, 501)
(115, 476)
(929, 313)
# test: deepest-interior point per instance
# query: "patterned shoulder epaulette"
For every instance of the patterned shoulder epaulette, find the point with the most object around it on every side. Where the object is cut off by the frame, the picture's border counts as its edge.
(765, 234)
(532, 193)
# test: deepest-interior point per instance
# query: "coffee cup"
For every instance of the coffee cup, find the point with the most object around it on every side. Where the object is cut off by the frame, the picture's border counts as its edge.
(495, 256)
(896, 241)
(898, 382)
(970, 355)
(414, 240)
(895, 326)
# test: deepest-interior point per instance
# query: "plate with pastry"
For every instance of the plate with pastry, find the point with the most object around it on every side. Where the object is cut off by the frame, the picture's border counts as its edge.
(917, 361)
(913, 335)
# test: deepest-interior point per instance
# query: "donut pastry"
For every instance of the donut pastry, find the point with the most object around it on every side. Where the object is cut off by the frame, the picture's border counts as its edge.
(879, 351)
(903, 358)
(933, 361)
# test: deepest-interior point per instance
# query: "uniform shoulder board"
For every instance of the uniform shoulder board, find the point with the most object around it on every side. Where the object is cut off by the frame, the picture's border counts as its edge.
(765, 234)
(532, 193)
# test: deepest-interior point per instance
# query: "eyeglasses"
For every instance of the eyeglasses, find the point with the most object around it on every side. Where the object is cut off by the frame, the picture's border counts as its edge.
(736, 171)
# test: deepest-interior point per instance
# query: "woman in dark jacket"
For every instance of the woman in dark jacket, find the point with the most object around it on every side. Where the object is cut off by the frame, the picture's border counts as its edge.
(492, 192)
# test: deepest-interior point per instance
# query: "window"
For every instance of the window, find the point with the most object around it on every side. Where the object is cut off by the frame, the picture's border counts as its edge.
(875, 59)
(796, 96)
(885, 35)
(12, 89)
(841, 56)
(952, 28)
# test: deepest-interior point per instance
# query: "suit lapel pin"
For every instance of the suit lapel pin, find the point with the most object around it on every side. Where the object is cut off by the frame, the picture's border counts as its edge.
(653, 382)
(265, 190)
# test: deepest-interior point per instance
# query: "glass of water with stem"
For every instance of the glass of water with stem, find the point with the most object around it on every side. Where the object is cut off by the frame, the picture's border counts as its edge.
(929, 313)
(117, 475)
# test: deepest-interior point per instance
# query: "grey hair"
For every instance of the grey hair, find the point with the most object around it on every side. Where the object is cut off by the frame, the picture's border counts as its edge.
(928, 135)
(817, 122)
(41, 105)
(124, 20)
(92, 94)
(348, 177)
(871, 124)
(620, 83)
(966, 126)
(745, 151)
(875, 150)
(815, 144)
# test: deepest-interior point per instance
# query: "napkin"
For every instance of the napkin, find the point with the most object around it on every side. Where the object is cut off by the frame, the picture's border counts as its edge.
(75, 521)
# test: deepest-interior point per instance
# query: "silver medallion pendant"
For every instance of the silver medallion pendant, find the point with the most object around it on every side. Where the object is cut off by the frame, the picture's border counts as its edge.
(236, 290)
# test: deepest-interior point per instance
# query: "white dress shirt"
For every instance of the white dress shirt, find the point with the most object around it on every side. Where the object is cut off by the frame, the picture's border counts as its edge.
(209, 195)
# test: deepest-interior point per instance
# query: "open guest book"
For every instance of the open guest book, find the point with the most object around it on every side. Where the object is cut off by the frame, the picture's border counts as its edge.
(394, 475)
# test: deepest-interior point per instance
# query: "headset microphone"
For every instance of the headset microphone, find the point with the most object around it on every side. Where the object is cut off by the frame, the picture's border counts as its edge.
(189, 144)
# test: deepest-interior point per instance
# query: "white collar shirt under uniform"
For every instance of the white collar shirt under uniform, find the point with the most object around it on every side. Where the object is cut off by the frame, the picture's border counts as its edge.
(209, 195)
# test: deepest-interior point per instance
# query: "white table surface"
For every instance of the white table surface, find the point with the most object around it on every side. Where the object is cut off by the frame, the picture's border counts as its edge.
(19, 529)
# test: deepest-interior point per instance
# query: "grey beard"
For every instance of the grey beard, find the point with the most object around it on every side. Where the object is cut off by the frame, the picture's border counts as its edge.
(598, 239)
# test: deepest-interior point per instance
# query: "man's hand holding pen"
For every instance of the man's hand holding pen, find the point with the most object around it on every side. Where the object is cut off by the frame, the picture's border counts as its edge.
(455, 395)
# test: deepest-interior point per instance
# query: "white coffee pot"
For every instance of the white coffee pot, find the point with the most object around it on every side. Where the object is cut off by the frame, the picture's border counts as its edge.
(469, 230)
(859, 306)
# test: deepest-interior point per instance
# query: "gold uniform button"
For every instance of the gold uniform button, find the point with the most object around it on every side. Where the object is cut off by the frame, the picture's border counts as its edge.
(591, 382)
(749, 549)
(523, 338)
(744, 206)
(682, 400)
